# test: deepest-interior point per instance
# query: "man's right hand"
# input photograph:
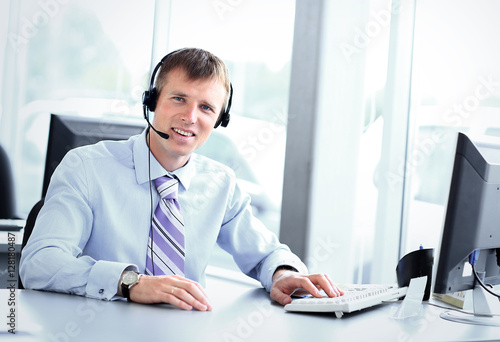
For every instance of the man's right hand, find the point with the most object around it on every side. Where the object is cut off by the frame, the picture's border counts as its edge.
(181, 292)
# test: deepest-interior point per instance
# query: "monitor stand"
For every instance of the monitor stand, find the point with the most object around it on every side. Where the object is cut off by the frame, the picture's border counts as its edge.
(486, 310)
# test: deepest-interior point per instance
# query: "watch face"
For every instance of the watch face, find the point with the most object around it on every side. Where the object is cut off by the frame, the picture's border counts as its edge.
(129, 277)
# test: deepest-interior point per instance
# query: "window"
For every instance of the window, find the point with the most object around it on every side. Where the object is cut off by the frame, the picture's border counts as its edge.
(79, 58)
(94, 58)
(395, 81)
(354, 76)
(456, 88)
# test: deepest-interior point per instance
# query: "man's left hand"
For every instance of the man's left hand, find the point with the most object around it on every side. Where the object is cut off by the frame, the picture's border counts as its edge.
(286, 283)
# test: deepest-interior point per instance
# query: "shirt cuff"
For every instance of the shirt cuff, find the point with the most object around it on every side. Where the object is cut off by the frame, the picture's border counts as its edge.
(279, 258)
(285, 268)
(104, 278)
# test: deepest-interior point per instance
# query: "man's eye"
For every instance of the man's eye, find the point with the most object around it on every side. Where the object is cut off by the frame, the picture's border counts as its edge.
(205, 107)
(178, 98)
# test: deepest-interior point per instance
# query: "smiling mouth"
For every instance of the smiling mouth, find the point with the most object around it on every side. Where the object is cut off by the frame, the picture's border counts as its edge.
(184, 133)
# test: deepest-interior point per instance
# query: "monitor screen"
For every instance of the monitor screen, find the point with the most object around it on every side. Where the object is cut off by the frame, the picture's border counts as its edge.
(472, 223)
(68, 132)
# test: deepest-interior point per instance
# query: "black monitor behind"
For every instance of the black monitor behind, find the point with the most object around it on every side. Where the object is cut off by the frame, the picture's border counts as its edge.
(7, 193)
(471, 227)
(68, 132)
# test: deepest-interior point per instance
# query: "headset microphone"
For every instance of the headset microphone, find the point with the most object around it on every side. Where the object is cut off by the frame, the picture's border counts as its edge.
(161, 134)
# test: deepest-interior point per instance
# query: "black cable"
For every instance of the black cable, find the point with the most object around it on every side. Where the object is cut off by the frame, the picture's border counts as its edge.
(150, 201)
(446, 307)
(481, 283)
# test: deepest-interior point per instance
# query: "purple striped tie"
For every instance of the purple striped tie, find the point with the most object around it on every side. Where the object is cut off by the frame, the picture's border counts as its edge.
(167, 228)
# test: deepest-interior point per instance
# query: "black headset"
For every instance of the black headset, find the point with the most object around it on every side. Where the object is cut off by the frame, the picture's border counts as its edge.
(150, 98)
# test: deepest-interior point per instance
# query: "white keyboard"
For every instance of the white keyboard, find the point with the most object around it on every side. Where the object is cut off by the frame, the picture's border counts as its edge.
(356, 297)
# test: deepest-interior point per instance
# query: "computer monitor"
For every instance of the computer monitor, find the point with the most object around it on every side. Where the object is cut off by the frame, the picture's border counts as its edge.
(471, 232)
(68, 132)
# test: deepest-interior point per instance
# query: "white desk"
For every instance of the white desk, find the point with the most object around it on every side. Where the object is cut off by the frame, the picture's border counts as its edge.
(241, 312)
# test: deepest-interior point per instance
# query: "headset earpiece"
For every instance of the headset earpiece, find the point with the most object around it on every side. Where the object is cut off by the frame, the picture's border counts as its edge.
(225, 120)
(149, 99)
(225, 116)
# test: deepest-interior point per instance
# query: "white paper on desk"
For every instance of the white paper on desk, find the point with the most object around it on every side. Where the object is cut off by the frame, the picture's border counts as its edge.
(412, 304)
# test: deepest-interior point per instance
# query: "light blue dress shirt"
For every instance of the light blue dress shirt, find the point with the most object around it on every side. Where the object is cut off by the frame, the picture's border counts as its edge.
(97, 214)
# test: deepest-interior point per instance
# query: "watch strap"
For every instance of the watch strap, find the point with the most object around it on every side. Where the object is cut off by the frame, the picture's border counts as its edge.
(125, 291)
(126, 287)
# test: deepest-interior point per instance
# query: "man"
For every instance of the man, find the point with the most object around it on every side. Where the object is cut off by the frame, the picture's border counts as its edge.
(92, 236)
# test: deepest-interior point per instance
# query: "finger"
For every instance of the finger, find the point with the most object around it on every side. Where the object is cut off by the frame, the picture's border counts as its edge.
(174, 300)
(326, 284)
(336, 290)
(307, 285)
(192, 288)
(192, 295)
(280, 297)
(180, 281)
(323, 281)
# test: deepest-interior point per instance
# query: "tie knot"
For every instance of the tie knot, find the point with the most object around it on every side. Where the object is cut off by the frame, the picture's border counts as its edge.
(167, 187)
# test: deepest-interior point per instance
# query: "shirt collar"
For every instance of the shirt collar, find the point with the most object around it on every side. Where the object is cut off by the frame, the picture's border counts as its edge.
(144, 174)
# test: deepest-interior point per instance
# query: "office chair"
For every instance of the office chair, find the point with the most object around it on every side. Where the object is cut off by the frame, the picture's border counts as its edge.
(28, 228)
(7, 195)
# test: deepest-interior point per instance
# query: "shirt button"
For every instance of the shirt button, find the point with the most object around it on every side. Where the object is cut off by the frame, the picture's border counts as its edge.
(101, 291)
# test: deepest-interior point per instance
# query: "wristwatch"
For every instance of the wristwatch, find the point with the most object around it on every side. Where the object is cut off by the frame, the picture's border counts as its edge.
(129, 279)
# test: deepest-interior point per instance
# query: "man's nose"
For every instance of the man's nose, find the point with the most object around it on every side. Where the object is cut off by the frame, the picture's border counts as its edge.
(191, 114)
